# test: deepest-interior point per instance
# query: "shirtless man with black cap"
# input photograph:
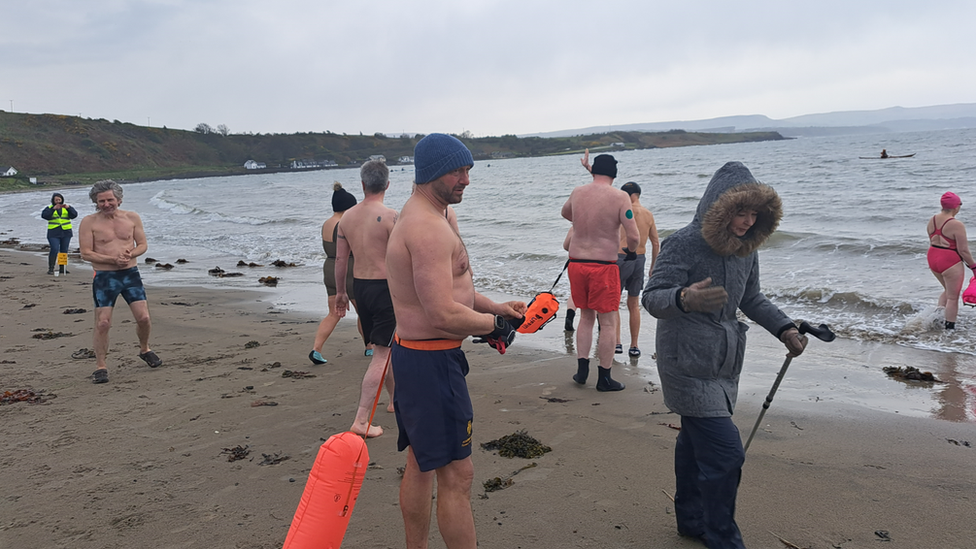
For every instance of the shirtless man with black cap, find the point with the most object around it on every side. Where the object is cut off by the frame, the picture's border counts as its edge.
(598, 211)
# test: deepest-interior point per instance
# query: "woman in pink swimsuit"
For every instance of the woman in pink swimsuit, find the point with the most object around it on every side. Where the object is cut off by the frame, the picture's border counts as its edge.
(947, 251)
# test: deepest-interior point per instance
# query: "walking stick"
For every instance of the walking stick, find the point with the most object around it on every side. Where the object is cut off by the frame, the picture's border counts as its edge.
(822, 333)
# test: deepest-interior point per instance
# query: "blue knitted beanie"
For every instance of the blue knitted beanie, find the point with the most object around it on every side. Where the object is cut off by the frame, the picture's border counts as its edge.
(437, 154)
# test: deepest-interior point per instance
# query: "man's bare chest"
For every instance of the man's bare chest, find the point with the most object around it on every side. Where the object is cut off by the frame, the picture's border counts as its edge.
(115, 230)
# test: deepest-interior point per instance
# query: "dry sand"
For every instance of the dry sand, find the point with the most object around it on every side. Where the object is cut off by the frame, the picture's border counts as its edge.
(139, 462)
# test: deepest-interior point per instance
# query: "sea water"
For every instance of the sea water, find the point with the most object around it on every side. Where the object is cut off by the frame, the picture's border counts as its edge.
(849, 252)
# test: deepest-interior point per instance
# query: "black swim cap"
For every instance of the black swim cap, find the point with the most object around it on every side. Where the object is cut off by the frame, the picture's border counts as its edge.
(605, 164)
(631, 188)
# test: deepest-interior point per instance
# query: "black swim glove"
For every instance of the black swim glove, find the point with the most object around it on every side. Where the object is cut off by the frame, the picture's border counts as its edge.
(631, 256)
(501, 337)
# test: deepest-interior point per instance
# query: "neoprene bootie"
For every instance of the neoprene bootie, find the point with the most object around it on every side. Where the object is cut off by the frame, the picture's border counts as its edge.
(582, 370)
(605, 382)
(570, 315)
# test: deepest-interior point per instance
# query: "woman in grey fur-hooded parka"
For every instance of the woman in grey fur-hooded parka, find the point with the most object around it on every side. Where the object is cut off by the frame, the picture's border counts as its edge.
(700, 343)
(699, 355)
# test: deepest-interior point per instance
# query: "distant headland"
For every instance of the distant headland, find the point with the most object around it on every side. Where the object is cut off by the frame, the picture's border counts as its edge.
(52, 149)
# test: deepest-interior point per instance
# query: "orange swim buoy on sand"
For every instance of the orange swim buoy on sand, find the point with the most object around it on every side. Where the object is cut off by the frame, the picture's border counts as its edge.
(330, 493)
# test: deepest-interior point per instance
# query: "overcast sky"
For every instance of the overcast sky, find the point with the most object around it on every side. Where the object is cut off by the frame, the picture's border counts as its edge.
(490, 67)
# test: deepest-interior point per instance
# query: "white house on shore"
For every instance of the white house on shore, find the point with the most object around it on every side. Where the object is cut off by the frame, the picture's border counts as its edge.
(379, 157)
(406, 160)
(252, 165)
(9, 171)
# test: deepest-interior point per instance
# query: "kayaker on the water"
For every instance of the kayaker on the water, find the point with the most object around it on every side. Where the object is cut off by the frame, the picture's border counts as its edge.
(884, 153)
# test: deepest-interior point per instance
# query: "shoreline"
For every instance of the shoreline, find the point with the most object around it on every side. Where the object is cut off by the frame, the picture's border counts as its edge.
(846, 371)
(60, 185)
(145, 456)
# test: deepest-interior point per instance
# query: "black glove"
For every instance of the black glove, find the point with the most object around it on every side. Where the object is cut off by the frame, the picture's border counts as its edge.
(501, 337)
(631, 256)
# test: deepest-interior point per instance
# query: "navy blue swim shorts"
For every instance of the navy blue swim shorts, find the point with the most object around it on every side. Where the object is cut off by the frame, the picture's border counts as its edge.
(433, 409)
(107, 286)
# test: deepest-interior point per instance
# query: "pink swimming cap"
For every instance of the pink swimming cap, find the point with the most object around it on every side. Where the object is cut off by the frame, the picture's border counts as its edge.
(951, 201)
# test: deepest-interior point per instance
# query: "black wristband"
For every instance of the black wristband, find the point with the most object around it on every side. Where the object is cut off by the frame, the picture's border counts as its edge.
(779, 333)
(499, 322)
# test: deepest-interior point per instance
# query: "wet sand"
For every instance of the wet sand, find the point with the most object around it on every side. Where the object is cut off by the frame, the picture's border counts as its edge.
(141, 462)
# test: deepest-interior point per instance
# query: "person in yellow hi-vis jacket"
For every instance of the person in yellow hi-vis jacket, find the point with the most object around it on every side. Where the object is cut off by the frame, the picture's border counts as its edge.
(58, 216)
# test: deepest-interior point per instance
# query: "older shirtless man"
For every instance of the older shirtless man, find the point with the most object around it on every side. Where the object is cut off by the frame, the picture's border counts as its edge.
(598, 211)
(111, 239)
(436, 308)
(364, 230)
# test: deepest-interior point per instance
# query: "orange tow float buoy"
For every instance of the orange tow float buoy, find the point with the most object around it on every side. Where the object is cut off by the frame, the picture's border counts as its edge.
(330, 494)
(333, 486)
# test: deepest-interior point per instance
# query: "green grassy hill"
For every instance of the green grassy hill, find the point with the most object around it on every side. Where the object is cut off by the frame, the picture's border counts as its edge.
(63, 149)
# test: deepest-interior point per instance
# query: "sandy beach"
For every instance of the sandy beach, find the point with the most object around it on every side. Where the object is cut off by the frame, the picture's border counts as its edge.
(143, 460)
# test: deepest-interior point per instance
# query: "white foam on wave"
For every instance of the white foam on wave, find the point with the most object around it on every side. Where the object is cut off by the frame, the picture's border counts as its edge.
(928, 320)
(163, 203)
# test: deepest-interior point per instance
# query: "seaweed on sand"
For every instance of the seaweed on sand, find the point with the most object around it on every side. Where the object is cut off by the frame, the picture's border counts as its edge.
(517, 444)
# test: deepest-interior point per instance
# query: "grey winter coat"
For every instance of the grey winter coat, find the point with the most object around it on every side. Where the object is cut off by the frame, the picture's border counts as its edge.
(699, 355)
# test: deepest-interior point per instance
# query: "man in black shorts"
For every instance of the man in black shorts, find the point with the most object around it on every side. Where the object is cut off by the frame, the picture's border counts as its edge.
(111, 239)
(364, 230)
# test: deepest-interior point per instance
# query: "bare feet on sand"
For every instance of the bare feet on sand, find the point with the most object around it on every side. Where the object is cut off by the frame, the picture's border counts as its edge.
(389, 408)
(374, 431)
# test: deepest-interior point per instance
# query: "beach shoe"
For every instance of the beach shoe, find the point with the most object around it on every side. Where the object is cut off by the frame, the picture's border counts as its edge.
(368, 352)
(100, 376)
(83, 353)
(618, 350)
(316, 357)
(570, 315)
(634, 352)
(151, 359)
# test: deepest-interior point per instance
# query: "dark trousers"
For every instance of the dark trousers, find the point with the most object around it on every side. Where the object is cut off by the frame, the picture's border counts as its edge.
(708, 461)
(59, 244)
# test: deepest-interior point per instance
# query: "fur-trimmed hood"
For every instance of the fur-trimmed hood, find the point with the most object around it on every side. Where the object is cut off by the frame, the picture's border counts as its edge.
(733, 188)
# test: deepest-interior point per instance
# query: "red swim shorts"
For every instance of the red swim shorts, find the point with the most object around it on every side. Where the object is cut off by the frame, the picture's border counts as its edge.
(595, 285)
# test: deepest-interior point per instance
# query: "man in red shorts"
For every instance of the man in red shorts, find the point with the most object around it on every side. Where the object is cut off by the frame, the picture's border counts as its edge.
(598, 211)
